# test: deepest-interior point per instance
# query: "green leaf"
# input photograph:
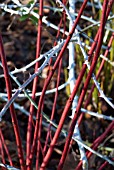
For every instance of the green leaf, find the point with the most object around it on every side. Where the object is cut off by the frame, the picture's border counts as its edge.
(24, 17)
(34, 20)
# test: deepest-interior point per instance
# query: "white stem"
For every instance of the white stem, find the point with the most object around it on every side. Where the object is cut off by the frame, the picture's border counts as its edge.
(72, 84)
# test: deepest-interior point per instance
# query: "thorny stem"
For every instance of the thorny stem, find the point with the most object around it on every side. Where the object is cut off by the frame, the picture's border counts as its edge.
(48, 55)
(97, 76)
(80, 79)
(39, 107)
(50, 150)
(77, 112)
(55, 98)
(94, 44)
(97, 142)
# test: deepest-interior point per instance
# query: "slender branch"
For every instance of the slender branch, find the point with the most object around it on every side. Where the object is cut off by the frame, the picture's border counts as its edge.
(50, 150)
(77, 113)
(29, 129)
(12, 111)
(52, 52)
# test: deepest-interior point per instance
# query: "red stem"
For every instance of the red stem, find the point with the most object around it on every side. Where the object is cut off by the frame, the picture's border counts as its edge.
(5, 147)
(104, 165)
(77, 112)
(29, 129)
(38, 144)
(2, 152)
(12, 111)
(58, 80)
(50, 150)
(97, 142)
(97, 76)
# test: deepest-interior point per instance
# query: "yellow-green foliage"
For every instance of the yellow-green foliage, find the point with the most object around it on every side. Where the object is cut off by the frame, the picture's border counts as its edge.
(66, 78)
